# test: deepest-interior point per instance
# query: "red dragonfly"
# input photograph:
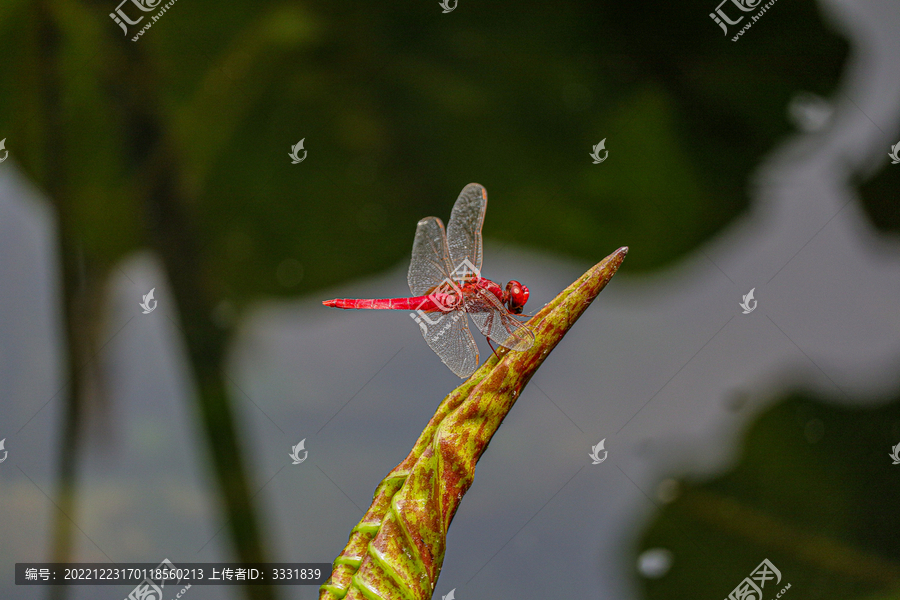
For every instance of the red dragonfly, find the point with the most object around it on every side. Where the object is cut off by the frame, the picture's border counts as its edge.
(446, 284)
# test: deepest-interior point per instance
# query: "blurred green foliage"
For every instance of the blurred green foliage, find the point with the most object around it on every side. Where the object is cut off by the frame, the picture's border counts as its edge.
(814, 491)
(400, 107)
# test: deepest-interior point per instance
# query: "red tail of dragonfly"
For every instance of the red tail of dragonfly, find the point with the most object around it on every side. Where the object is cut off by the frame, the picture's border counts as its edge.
(446, 284)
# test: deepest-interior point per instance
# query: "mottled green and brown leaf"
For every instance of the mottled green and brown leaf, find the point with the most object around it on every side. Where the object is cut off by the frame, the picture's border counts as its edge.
(397, 549)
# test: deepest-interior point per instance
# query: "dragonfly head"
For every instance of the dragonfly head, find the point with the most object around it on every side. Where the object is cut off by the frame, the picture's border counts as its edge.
(516, 297)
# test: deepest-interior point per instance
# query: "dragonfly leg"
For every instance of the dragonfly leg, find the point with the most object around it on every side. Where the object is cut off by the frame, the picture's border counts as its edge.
(488, 326)
(492, 348)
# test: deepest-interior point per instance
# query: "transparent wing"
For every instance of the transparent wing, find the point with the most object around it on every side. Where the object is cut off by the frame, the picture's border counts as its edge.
(495, 322)
(430, 263)
(449, 336)
(464, 228)
(447, 333)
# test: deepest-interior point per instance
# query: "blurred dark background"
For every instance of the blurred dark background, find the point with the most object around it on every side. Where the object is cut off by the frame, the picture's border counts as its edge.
(163, 161)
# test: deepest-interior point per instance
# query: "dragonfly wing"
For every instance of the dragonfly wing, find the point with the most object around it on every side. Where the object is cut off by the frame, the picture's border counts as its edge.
(449, 336)
(495, 322)
(464, 230)
(430, 263)
(447, 333)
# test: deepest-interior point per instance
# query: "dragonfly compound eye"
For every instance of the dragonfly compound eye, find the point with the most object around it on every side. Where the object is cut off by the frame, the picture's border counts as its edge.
(517, 296)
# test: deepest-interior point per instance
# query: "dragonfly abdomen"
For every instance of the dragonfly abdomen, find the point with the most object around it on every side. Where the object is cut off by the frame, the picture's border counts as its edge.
(424, 303)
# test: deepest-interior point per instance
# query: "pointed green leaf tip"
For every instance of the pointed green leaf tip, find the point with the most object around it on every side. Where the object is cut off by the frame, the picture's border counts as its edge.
(397, 549)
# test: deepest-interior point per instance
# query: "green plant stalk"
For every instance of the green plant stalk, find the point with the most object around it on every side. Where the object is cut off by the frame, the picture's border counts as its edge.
(397, 549)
